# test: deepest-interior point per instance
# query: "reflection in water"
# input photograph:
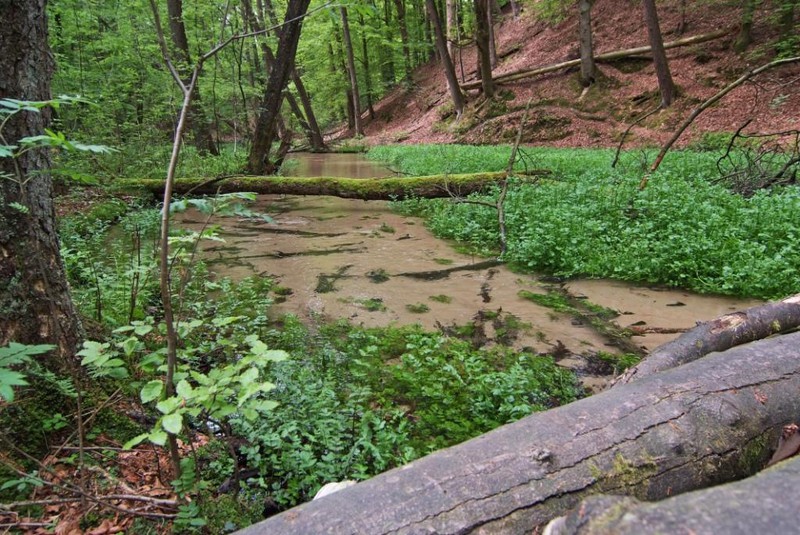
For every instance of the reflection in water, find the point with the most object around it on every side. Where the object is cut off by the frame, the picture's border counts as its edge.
(348, 165)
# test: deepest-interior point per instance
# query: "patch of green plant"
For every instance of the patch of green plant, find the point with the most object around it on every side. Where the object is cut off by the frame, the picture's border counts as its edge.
(552, 300)
(441, 298)
(443, 261)
(374, 304)
(683, 229)
(621, 362)
(418, 308)
(385, 227)
(378, 275)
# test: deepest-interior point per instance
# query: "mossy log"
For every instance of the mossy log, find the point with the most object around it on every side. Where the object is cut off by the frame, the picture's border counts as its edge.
(760, 504)
(377, 189)
(718, 335)
(708, 422)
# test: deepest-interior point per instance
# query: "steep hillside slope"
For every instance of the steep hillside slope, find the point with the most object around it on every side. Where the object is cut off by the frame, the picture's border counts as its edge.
(562, 116)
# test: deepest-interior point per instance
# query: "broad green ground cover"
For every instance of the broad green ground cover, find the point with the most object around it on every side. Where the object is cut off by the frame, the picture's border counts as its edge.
(589, 219)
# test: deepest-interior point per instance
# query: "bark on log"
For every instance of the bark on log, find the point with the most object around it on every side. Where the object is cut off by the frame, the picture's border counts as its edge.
(704, 423)
(718, 335)
(760, 504)
(608, 56)
(383, 189)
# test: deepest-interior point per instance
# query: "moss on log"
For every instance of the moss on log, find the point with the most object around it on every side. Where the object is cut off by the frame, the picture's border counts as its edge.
(385, 189)
(704, 423)
(760, 504)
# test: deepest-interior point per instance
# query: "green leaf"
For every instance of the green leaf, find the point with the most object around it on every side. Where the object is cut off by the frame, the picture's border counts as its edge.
(173, 423)
(184, 389)
(134, 441)
(158, 438)
(168, 405)
(152, 390)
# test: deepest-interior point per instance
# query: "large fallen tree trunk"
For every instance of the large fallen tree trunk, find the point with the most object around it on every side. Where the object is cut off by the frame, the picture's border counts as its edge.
(761, 504)
(718, 335)
(385, 189)
(608, 56)
(708, 422)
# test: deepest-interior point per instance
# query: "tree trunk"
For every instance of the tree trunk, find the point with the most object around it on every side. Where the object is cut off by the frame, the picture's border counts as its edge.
(351, 70)
(383, 189)
(515, 9)
(451, 9)
(786, 18)
(665, 84)
(491, 9)
(708, 422)
(719, 335)
(311, 126)
(745, 36)
(401, 22)
(203, 140)
(35, 305)
(273, 95)
(588, 67)
(482, 42)
(367, 73)
(447, 63)
(760, 504)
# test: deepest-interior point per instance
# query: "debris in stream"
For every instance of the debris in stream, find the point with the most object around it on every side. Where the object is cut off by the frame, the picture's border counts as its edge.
(378, 275)
(484, 293)
(439, 274)
(312, 252)
(326, 283)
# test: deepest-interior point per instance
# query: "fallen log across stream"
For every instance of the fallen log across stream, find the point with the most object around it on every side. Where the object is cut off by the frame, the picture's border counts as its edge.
(607, 56)
(707, 422)
(368, 189)
(765, 503)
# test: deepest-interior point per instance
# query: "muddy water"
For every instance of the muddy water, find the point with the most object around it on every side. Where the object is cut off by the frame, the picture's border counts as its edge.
(357, 260)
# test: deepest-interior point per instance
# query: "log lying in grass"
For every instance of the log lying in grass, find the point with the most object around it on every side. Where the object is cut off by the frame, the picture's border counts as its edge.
(608, 56)
(765, 503)
(718, 335)
(384, 189)
(708, 422)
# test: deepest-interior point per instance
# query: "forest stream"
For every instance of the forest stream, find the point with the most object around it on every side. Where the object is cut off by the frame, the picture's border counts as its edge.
(339, 258)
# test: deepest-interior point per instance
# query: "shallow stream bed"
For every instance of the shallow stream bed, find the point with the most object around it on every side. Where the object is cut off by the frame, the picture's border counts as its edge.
(341, 258)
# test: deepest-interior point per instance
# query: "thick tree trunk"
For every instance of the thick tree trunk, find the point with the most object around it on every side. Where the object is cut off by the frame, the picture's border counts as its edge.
(764, 503)
(606, 56)
(403, 25)
(264, 133)
(385, 189)
(482, 42)
(203, 140)
(665, 83)
(588, 67)
(719, 335)
(351, 71)
(708, 422)
(447, 63)
(35, 305)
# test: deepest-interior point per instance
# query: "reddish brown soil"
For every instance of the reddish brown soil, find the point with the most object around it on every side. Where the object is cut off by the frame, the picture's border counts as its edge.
(560, 117)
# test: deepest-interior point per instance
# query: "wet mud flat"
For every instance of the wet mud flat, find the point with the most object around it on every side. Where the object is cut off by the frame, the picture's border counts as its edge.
(339, 258)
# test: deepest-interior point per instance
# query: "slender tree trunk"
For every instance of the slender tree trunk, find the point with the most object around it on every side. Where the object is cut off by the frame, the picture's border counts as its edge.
(367, 73)
(351, 69)
(588, 67)
(665, 83)
(203, 140)
(490, 18)
(35, 305)
(449, 71)
(402, 24)
(387, 54)
(745, 36)
(451, 8)
(786, 17)
(317, 141)
(273, 94)
(482, 41)
(515, 9)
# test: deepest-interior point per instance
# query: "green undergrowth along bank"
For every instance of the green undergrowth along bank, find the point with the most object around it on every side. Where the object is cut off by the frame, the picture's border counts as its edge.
(682, 229)
(354, 402)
